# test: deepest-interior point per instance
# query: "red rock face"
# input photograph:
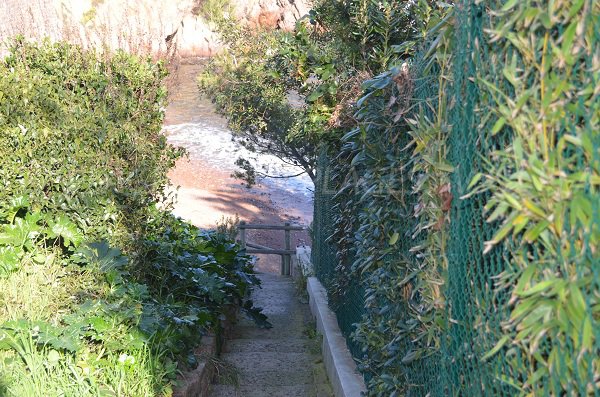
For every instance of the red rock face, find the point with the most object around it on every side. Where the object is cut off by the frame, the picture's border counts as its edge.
(276, 14)
(268, 19)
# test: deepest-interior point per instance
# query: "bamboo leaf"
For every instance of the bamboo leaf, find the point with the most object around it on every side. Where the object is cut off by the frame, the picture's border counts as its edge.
(577, 304)
(443, 166)
(512, 200)
(518, 148)
(522, 309)
(525, 278)
(587, 341)
(533, 233)
(474, 181)
(568, 37)
(509, 4)
(502, 233)
(498, 212)
(498, 125)
(534, 208)
(496, 348)
(538, 288)
(520, 222)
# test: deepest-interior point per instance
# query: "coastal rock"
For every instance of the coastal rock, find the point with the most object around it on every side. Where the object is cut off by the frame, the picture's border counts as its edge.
(159, 28)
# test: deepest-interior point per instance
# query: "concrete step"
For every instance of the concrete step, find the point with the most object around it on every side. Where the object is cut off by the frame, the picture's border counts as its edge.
(273, 277)
(291, 321)
(249, 362)
(280, 377)
(277, 362)
(277, 288)
(277, 332)
(283, 345)
(271, 391)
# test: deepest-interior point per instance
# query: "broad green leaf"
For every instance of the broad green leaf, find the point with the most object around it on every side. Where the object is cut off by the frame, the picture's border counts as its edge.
(16, 204)
(316, 94)
(53, 356)
(9, 260)
(63, 227)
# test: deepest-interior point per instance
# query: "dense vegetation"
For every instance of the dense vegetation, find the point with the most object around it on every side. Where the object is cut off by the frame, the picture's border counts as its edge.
(104, 292)
(464, 166)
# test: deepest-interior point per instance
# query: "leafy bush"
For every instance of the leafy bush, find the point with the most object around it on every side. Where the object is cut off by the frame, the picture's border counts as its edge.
(286, 93)
(81, 136)
(245, 85)
(103, 293)
(466, 185)
(471, 217)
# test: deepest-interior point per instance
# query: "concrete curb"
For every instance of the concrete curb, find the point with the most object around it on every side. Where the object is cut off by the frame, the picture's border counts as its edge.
(341, 368)
(197, 382)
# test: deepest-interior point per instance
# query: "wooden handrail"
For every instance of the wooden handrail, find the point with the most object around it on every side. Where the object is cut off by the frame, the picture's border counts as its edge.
(286, 254)
(269, 227)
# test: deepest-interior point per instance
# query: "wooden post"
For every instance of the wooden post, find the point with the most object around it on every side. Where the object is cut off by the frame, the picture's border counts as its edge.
(242, 228)
(288, 246)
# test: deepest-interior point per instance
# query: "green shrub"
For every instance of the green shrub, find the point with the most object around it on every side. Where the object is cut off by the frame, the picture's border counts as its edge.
(103, 293)
(81, 136)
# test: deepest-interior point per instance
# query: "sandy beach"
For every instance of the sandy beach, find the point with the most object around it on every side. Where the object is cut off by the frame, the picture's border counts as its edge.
(206, 192)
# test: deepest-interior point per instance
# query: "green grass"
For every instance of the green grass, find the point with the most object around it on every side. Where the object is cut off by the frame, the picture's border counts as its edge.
(48, 373)
(46, 292)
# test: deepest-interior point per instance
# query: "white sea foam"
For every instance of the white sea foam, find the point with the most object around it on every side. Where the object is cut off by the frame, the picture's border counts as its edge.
(214, 145)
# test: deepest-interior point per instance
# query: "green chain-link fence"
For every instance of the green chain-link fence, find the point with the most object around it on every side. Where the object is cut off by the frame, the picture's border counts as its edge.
(477, 310)
(347, 302)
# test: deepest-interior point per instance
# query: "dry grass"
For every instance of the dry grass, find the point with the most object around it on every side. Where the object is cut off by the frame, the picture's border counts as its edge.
(348, 93)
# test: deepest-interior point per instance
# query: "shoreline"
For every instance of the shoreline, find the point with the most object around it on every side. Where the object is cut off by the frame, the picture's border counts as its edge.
(206, 193)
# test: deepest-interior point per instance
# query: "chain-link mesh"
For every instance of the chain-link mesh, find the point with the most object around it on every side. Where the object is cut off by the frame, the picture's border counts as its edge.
(477, 310)
(347, 302)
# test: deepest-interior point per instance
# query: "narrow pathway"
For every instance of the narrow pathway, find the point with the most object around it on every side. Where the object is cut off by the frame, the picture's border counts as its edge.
(284, 361)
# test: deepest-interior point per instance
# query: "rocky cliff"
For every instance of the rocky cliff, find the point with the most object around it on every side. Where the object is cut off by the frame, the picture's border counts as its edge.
(170, 28)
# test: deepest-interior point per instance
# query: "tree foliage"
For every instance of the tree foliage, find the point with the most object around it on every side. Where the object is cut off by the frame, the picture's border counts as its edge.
(284, 93)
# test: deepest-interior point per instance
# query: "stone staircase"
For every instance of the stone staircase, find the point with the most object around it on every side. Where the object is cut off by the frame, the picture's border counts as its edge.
(279, 362)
